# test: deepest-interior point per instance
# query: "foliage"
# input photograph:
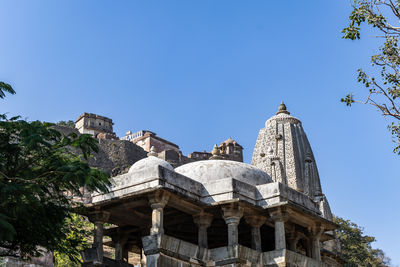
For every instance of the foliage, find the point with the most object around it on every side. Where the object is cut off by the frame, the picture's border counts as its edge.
(5, 88)
(383, 92)
(69, 123)
(76, 240)
(39, 174)
(356, 246)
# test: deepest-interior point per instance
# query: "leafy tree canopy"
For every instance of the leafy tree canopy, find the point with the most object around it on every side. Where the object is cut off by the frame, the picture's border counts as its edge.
(69, 123)
(77, 239)
(5, 88)
(39, 174)
(356, 247)
(384, 90)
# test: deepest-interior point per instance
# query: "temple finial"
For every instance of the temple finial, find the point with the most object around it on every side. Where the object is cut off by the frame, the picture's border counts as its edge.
(282, 109)
(216, 154)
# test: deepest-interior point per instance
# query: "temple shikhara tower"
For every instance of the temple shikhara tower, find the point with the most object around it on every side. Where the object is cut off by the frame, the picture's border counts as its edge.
(219, 211)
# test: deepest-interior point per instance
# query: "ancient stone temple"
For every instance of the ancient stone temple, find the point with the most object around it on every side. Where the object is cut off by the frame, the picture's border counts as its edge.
(220, 212)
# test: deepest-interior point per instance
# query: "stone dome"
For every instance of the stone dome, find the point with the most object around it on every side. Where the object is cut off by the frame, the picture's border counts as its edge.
(210, 170)
(149, 162)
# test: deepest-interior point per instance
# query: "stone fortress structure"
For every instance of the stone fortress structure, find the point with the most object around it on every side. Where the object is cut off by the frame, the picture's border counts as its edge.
(211, 209)
(229, 149)
(102, 128)
(94, 124)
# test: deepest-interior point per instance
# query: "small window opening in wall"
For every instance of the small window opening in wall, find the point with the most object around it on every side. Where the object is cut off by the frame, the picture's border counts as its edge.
(99, 123)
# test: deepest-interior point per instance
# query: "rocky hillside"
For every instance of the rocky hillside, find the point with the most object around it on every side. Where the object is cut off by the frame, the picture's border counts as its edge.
(114, 156)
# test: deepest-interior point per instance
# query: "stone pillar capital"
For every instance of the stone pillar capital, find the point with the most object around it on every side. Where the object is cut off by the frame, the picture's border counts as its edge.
(255, 220)
(158, 199)
(315, 231)
(99, 216)
(279, 214)
(232, 213)
(203, 219)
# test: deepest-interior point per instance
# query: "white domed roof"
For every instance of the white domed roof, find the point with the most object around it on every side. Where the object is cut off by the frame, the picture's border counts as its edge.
(210, 170)
(149, 162)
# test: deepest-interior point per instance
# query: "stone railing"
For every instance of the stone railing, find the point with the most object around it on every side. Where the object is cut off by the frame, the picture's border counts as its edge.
(91, 258)
(174, 250)
(284, 257)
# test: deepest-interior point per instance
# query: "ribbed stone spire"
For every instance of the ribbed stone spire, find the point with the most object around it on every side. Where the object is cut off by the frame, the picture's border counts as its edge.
(283, 151)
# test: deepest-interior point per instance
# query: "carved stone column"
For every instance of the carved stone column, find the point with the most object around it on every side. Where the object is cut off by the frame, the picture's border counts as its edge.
(98, 218)
(232, 214)
(293, 239)
(118, 251)
(125, 253)
(315, 236)
(157, 201)
(119, 243)
(279, 216)
(255, 221)
(203, 221)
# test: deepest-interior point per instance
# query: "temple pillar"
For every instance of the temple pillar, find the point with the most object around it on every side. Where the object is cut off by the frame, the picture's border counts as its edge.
(125, 253)
(292, 242)
(232, 214)
(279, 216)
(293, 239)
(157, 201)
(255, 222)
(315, 236)
(203, 221)
(120, 249)
(98, 218)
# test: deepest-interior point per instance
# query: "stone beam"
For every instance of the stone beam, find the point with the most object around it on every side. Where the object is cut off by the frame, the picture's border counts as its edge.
(183, 205)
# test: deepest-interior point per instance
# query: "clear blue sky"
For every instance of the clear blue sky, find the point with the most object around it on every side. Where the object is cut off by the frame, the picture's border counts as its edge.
(197, 72)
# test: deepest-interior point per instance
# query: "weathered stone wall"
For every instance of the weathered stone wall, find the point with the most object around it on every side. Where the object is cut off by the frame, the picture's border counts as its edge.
(114, 156)
(43, 261)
